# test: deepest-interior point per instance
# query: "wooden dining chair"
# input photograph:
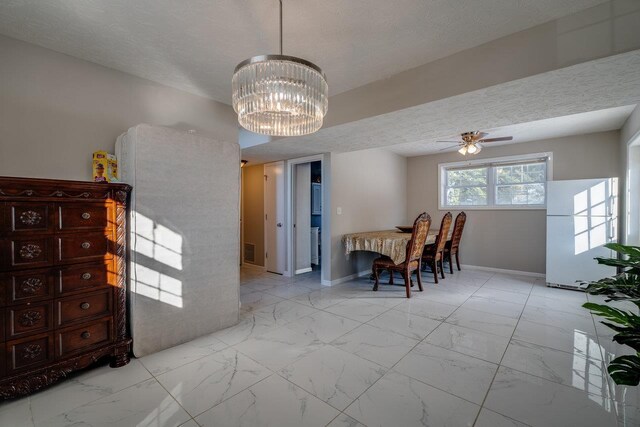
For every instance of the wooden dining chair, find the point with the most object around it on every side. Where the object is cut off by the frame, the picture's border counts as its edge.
(413, 259)
(434, 254)
(452, 247)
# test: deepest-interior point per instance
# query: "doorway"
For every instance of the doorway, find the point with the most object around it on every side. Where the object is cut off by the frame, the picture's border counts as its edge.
(305, 206)
(274, 218)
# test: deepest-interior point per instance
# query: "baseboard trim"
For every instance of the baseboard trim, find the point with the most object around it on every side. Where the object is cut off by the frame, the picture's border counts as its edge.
(304, 270)
(503, 270)
(346, 278)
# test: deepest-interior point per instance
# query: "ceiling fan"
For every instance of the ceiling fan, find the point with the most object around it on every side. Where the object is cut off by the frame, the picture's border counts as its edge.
(470, 142)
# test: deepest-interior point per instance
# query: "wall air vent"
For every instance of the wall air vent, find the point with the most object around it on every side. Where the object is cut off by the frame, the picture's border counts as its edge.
(249, 252)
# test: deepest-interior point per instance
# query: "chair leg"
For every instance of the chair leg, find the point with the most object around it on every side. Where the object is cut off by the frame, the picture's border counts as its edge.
(390, 276)
(376, 275)
(458, 261)
(434, 269)
(442, 267)
(450, 262)
(419, 279)
(407, 283)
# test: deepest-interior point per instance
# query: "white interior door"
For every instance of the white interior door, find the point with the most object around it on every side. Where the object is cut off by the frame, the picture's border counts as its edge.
(274, 212)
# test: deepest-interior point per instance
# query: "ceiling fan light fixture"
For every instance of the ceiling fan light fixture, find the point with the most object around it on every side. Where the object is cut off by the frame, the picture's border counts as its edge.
(280, 95)
(463, 150)
(472, 149)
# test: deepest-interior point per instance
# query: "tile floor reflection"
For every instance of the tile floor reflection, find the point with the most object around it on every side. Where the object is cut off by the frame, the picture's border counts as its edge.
(479, 349)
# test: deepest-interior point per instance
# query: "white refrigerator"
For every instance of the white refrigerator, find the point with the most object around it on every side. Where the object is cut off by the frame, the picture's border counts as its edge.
(582, 216)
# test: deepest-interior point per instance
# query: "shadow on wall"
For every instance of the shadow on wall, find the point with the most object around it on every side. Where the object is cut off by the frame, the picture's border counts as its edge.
(156, 267)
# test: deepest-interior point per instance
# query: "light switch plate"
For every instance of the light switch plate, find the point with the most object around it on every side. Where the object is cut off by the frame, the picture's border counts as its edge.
(338, 211)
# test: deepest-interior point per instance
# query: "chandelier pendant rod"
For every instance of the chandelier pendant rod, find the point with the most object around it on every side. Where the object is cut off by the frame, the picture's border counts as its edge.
(280, 27)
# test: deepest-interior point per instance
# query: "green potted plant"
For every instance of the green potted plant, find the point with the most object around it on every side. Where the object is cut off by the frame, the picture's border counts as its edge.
(624, 286)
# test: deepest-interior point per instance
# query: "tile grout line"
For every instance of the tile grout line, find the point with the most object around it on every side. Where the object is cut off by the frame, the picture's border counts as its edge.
(500, 363)
(394, 365)
(367, 323)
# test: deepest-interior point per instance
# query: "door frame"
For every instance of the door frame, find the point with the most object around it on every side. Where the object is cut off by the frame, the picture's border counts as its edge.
(631, 233)
(285, 220)
(289, 201)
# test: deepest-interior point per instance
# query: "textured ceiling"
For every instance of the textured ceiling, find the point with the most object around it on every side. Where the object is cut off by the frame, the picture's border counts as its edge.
(556, 127)
(596, 85)
(194, 45)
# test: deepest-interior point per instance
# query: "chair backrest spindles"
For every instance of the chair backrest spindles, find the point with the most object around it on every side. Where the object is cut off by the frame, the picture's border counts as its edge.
(415, 246)
(443, 233)
(458, 227)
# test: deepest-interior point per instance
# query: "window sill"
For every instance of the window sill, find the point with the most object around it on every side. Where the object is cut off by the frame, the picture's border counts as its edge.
(493, 208)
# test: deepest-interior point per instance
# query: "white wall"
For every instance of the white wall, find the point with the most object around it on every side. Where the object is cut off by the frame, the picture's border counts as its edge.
(370, 187)
(56, 110)
(513, 239)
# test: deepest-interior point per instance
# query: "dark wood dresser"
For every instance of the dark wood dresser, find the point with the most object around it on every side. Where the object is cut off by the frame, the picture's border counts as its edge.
(63, 261)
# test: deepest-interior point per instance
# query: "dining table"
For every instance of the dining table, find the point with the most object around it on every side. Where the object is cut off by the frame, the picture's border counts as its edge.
(392, 243)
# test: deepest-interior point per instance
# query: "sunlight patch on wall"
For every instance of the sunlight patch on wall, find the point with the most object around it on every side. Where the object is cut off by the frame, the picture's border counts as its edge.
(157, 241)
(590, 224)
(157, 286)
(161, 245)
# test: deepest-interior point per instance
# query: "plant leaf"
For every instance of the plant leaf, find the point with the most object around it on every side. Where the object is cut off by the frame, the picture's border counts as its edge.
(631, 338)
(613, 314)
(625, 370)
(630, 251)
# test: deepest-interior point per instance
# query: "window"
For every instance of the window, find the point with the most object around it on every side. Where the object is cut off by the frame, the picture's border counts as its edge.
(504, 183)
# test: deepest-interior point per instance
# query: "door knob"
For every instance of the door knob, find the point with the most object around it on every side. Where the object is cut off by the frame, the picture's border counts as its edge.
(279, 224)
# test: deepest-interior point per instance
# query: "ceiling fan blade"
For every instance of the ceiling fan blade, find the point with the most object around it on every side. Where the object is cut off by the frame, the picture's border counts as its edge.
(457, 142)
(446, 148)
(479, 136)
(506, 138)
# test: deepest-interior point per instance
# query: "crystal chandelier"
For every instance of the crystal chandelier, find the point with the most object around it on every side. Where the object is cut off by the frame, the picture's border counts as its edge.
(279, 95)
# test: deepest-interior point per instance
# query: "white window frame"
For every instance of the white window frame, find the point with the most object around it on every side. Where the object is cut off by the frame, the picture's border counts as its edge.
(491, 184)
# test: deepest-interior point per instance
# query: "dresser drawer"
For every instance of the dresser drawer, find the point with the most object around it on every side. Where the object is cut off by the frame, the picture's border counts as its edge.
(2, 337)
(29, 319)
(82, 278)
(29, 352)
(83, 247)
(74, 340)
(29, 252)
(82, 308)
(83, 216)
(27, 286)
(29, 217)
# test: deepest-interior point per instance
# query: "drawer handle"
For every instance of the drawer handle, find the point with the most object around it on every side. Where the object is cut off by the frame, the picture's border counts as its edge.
(31, 351)
(86, 245)
(85, 306)
(31, 285)
(85, 335)
(30, 251)
(86, 276)
(30, 217)
(30, 318)
(86, 215)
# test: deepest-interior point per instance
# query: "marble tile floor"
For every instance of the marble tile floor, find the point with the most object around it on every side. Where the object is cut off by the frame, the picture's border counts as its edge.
(478, 349)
